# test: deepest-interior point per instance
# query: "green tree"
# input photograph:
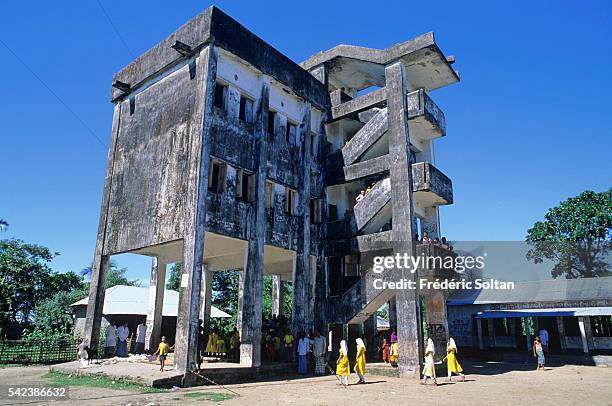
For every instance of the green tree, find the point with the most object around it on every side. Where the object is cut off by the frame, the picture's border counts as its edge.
(25, 278)
(114, 276)
(576, 235)
(53, 318)
(174, 280)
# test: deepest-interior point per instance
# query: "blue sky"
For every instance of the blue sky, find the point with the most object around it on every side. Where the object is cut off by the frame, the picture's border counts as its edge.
(527, 127)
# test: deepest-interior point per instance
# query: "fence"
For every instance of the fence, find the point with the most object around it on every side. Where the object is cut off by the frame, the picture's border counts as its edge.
(37, 352)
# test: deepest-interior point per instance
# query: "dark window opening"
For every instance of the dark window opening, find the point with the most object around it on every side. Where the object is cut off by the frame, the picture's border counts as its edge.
(271, 122)
(291, 201)
(332, 212)
(245, 185)
(315, 211)
(246, 109)
(291, 134)
(216, 177)
(220, 96)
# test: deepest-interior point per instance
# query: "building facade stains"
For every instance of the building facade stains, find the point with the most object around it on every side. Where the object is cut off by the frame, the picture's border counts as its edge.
(225, 154)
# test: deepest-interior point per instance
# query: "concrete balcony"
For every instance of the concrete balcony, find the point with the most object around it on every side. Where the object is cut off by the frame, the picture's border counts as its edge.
(430, 186)
(426, 119)
(436, 261)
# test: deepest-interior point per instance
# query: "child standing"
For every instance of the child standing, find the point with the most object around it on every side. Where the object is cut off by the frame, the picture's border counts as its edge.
(394, 353)
(162, 350)
(385, 351)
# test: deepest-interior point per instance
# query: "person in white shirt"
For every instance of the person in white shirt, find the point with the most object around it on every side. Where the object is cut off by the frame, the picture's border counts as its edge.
(111, 340)
(141, 332)
(123, 332)
(303, 350)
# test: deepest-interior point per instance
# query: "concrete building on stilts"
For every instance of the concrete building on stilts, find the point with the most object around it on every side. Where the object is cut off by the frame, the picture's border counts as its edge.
(225, 154)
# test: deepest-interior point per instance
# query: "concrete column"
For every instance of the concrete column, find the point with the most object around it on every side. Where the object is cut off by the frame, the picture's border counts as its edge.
(561, 329)
(370, 335)
(187, 324)
(431, 223)
(95, 305)
(157, 287)
(392, 314)
(437, 321)
(251, 281)
(491, 330)
(277, 295)
(409, 327)
(302, 316)
(583, 334)
(589, 333)
(97, 289)
(206, 298)
(525, 321)
(512, 323)
(480, 338)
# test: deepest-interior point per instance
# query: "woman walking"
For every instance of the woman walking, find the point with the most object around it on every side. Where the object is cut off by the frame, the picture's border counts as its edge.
(394, 352)
(451, 360)
(430, 369)
(343, 370)
(538, 352)
(360, 361)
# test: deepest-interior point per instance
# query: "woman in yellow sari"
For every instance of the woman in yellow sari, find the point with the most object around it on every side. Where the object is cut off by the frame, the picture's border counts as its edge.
(451, 360)
(394, 352)
(343, 369)
(360, 361)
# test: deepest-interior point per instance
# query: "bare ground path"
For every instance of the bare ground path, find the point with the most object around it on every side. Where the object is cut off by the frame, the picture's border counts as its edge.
(491, 383)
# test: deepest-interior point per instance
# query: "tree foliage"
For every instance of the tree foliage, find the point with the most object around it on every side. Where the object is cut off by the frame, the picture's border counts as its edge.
(174, 279)
(576, 235)
(114, 276)
(26, 281)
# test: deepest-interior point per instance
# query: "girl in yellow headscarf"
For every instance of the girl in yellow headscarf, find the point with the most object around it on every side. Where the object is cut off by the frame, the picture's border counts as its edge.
(360, 361)
(343, 369)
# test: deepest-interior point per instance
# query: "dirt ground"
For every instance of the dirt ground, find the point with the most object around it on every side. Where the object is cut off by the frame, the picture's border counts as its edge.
(490, 383)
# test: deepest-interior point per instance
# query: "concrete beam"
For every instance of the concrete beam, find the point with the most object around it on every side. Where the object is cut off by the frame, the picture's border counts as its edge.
(377, 98)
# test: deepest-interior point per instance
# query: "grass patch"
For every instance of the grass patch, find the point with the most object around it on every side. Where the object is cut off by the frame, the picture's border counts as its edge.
(97, 381)
(212, 396)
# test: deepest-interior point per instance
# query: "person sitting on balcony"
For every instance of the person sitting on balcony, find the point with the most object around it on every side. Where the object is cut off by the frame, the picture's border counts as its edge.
(444, 243)
(360, 196)
(426, 239)
(436, 241)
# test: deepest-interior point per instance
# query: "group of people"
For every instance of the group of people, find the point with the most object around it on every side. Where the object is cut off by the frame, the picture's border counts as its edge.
(452, 364)
(390, 353)
(343, 369)
(362, 193)
(116, 341)
(435, 241)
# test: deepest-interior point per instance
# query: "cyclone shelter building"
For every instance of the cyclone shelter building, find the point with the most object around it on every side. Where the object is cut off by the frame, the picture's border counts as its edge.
(225, 154)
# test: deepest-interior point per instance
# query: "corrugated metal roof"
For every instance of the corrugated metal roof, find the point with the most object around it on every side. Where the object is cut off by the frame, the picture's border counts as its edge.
(539, 291)
(565, 311)
(122, 299)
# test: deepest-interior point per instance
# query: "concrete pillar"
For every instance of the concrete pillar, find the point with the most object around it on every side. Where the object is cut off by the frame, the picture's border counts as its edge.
(277, 295)
(157, 286)
(589, 333)
(370, 336)
(583, 334)
(525, 321)
(491, 330)
(409, 327)
(302, 316)
(206, 298)
(512, 327)
(480, 338)
(251, 282)
(561, 329)
(392, 314)
(187, 324)
(437, 322)
(95, 305)
(431, 223)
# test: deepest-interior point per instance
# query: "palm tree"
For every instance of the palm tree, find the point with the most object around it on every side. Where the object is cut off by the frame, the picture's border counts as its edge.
(3, 225)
